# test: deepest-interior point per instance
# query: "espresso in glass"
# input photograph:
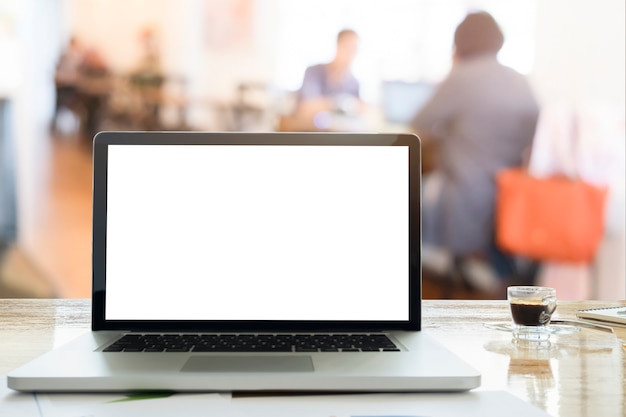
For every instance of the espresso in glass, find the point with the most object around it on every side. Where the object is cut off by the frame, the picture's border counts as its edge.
(531, 310)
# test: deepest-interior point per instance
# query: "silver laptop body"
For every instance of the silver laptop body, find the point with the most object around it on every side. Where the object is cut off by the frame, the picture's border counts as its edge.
(308, 236)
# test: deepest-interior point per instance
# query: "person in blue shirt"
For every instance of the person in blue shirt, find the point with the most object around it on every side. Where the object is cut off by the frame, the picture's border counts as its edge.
(330, 88)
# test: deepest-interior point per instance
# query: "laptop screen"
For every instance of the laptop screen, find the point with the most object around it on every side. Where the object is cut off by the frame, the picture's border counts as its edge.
(401, 100)
(276, 233)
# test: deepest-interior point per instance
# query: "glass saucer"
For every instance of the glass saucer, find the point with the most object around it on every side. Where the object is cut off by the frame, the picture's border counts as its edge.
(538, 333)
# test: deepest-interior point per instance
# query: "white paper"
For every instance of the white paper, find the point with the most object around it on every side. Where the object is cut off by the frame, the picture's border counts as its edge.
(121, 405)
(475, 403)
(16, 404)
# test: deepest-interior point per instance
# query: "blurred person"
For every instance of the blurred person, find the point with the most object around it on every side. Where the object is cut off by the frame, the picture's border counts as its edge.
(67, 77)
(80, 80)
(148, 69)
(480, 120)
(94, 64)
(95, 88)
(148, 78)
(330, 87)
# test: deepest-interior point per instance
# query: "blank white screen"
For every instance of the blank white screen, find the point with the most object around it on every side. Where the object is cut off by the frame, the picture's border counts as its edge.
(257, 232)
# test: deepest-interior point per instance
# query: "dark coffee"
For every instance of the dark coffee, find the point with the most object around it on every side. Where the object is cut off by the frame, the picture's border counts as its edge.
(528, 314)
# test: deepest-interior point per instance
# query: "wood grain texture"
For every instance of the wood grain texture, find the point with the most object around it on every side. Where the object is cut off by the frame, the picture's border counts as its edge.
(578, 374)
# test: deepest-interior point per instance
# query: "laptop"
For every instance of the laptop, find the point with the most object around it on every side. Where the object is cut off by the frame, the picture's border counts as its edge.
(402, 100)
(253, 261)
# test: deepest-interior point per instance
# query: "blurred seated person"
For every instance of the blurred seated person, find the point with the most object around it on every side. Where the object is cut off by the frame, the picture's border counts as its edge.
(94, 90)
(80, 80)
(148, 70)
(66, 77)
(481, 119)
(329, 89)
(147, 78)
(94, 63)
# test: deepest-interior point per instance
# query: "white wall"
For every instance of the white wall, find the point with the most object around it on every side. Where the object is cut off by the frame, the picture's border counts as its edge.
(580, 51)
(580, 63)
(37, 30)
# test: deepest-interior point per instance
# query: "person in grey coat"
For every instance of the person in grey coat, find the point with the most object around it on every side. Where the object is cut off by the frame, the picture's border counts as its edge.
(481, 118)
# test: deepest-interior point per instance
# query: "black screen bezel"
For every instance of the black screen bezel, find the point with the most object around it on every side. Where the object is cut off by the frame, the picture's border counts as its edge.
(100, 157)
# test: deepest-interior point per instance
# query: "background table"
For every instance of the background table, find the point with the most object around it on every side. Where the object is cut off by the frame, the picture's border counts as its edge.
(577, 375)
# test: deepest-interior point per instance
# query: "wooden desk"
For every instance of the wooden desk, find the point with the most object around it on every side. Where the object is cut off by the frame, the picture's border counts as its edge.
(578, 375)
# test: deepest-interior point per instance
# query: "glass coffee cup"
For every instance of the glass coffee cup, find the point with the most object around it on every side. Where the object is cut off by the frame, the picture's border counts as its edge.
(531, 311)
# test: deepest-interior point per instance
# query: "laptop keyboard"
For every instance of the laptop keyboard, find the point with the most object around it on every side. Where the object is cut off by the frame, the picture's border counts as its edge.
(253, 343)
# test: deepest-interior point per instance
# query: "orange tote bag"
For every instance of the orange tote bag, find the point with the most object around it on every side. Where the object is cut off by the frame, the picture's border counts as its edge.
(551, 219)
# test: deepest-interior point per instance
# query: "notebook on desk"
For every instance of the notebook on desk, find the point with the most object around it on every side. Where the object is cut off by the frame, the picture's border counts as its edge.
(248, 261)
(612, 316)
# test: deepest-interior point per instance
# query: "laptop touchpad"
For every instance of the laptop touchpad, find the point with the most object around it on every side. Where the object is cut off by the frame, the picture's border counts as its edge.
(248, 364)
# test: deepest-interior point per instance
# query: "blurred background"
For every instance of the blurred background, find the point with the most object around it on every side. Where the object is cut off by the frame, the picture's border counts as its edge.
(70, 68)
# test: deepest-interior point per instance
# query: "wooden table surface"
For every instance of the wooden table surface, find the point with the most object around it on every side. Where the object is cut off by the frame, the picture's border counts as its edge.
(578, 374)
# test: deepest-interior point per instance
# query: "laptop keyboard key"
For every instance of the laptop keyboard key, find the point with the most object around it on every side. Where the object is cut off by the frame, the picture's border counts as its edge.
(302, 349)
